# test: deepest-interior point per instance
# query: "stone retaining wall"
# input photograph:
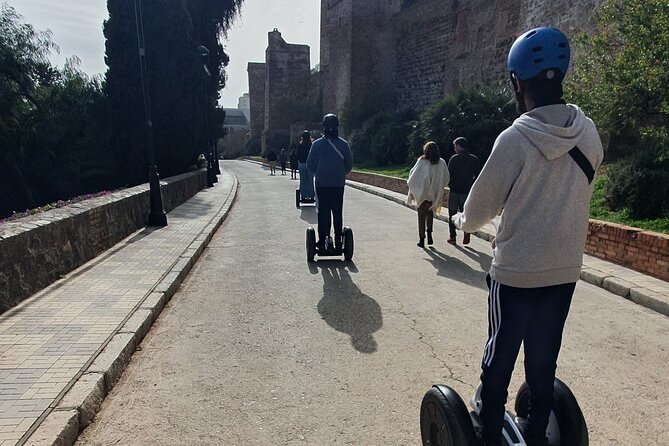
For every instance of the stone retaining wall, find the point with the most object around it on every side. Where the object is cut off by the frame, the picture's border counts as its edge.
(386, 182)
(37, 250)
(643, 251)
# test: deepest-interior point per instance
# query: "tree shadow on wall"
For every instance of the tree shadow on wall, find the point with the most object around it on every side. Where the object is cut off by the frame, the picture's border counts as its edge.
(347, 309)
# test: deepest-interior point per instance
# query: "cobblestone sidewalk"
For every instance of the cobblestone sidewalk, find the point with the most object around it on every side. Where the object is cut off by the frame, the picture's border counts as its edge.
(63, 349)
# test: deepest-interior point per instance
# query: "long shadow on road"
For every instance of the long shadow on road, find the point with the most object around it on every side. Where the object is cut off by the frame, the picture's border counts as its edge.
(346, 308)
(455, 269)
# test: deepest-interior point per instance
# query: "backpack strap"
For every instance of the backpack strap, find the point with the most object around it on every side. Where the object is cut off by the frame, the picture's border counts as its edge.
(583, 163)
(335, 148)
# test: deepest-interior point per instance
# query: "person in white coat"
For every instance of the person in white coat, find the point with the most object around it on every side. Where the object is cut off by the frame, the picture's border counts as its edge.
(427, 180)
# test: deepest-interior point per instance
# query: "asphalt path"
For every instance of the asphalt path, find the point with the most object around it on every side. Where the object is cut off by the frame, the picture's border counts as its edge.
(259, 347)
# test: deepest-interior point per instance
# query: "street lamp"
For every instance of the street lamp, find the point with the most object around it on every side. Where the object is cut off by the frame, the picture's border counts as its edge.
(203, 52)
(157, 215)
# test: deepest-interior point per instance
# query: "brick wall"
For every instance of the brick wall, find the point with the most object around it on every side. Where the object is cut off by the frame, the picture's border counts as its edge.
(644, 251)
(37, 250)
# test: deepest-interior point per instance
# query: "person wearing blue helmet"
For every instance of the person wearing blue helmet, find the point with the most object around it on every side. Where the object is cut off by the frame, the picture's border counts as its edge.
(330, 161)
(540, 174)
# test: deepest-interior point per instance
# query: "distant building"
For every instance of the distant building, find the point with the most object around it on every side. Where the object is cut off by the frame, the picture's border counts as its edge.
(276, 87)
(238, 128)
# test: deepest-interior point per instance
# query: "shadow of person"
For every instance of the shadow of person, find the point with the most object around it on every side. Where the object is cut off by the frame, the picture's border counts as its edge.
(455, 269)
(483, 259)
(308, 213)
(347, 309)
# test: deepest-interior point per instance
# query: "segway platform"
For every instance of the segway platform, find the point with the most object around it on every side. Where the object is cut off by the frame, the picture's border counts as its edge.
(299, 200)
(445, 421)
(330, 249)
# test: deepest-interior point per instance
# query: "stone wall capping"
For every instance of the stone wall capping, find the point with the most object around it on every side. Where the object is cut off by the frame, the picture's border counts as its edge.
(36, 250)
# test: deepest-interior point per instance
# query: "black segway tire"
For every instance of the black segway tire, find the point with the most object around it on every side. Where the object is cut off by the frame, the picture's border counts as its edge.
(348, 243)
(311, 244)
(297, 198)
(444, 419)
(570, 420)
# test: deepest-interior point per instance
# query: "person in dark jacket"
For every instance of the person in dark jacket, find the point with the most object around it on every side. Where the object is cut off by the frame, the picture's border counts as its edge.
(330, 160)
(306, 178)
(271, 157)
(293, 165)
(463, 169)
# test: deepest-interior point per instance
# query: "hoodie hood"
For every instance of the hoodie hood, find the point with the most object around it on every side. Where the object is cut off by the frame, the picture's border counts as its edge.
(556, 129)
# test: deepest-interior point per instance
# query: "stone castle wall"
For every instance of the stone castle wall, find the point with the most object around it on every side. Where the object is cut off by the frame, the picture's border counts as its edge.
(275, 86)
(425, 49)
(257, 74)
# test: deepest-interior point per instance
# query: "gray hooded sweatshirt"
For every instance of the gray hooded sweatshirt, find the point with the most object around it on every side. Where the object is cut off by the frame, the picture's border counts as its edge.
(544, 194)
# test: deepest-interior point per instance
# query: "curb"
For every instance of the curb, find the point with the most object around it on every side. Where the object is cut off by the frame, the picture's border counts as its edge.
(639, 295)
(77, 408)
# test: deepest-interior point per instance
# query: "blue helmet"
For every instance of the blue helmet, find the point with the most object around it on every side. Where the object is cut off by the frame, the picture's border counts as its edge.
(537, 50)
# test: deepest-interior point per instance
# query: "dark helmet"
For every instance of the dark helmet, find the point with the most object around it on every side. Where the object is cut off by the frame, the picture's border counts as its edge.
(538, 50)
(330, 122)
(306, 134)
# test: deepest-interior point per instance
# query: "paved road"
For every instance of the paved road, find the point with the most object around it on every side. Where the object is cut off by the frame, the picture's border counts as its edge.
(259, 347)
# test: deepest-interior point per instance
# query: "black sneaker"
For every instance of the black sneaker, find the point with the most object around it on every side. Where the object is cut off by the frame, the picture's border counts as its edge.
(429, 238)
(421, 243)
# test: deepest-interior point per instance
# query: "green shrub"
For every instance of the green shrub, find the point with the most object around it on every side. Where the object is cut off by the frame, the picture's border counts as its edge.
(640, 184)
(479, 115)
(383, 139)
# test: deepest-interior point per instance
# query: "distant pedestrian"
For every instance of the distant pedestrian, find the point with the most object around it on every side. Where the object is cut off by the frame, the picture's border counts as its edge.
(293, 165)
(463, 169)
(427, 180)
(283, 159)
(271, 157)
(306, 178)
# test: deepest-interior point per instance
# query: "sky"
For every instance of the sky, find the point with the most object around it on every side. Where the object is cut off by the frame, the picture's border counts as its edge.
(76, 27)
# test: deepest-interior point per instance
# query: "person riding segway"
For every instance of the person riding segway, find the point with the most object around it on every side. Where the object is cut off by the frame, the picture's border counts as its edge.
(305, 193)
(540, 173)
(330, 161)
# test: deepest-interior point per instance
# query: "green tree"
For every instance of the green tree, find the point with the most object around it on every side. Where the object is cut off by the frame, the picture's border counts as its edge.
(620, 77)
(621, 72)
(53, 123)
(479, 115)
(183, 96)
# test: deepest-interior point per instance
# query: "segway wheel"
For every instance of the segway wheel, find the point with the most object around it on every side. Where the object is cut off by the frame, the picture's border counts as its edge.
(566, 425)
(297, 198)
(348, 243)
(444, 419)
(311, 244)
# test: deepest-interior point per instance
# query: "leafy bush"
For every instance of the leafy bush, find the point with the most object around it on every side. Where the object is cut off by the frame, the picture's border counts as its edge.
(640, 184)
(620, 74)
(479, 115)
(383, 139)
(253, 146)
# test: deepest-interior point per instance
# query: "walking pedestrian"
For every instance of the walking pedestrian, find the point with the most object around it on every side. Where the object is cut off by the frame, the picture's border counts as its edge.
(427, 180)
(271, 157)
(330, 160)
(540, 172)
(283, 159)
(306, 178)
(293, 164)
(463, 168)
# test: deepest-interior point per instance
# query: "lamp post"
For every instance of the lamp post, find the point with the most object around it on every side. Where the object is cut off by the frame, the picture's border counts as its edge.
(203, 52)
(157, 215)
